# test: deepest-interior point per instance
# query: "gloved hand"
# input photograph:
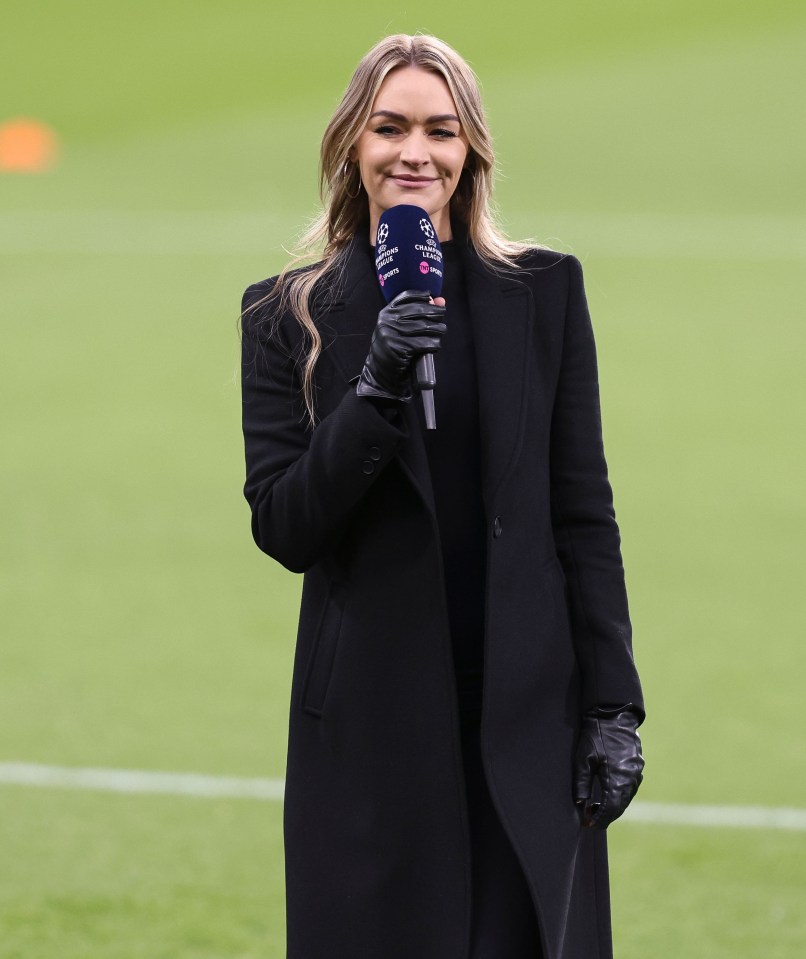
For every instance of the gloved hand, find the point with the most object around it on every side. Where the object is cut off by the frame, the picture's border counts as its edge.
(609, 750)
(407, 328)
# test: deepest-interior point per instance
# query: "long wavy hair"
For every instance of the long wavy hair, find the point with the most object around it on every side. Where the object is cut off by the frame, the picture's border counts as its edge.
(345, 207)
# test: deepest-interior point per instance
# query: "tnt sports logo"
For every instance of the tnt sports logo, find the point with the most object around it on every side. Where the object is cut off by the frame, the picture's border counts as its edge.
(383, 232)
(380, 278)
(426, 227)
(423, 267)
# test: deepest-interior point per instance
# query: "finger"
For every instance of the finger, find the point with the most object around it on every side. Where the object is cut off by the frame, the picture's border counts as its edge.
(439, 301)
(586, 809)
(583, 778)
(424, 344)
(423, 325)
(596, 815)
(612, 808)
(411, 296)
(409, 310)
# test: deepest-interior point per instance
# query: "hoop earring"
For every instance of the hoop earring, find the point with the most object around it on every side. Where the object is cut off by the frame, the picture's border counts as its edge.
(346, 174)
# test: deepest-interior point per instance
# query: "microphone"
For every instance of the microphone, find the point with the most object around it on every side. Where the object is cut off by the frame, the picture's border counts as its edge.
(408, 257)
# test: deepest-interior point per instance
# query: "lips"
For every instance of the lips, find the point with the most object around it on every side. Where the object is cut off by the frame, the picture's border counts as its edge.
(413, 182)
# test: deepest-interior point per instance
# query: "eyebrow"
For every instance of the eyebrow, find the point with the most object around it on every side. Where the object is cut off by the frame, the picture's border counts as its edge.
(439, 118)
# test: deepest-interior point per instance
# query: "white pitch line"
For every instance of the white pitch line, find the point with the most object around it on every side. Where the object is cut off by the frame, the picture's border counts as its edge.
(737, 817)
(140, 781)
(237, 787)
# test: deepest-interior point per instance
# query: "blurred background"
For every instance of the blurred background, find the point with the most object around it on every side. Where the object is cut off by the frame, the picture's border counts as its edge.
(155, 159)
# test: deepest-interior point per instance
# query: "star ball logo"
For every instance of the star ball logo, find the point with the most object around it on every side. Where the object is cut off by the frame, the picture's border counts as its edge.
(426, 227)
(383, 232)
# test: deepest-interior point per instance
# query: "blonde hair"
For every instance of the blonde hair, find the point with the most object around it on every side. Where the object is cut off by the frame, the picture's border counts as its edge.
(344, 202)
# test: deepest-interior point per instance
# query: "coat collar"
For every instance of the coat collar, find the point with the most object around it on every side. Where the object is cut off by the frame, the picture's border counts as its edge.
(501, 313)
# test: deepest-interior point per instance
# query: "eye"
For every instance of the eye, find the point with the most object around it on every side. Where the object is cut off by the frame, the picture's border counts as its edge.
(386, 130)
(442, 134)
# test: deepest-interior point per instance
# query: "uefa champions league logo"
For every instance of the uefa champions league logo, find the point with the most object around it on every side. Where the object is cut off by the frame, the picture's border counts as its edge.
(426, 227)
(383, 232)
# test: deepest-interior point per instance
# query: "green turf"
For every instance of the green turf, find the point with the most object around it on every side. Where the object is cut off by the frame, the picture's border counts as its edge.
(712, 894)
(140, 626)
(145, 877)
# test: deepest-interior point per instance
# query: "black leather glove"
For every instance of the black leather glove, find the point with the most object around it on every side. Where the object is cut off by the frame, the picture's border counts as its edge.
(407, 328)
(609, 750)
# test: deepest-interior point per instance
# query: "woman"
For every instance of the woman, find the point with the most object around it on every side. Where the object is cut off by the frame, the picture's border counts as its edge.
(476, 564)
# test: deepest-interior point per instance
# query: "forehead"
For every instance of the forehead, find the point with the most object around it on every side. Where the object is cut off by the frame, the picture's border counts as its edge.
(413, 91)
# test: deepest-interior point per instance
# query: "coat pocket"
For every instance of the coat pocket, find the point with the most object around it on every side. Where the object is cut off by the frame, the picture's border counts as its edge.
(323, 653)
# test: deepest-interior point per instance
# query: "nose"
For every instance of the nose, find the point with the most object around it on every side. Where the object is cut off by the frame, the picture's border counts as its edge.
(413, 150)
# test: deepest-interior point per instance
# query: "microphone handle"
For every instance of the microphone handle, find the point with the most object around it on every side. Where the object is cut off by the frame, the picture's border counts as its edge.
(424, 374)
(426, 380)
(428, 409)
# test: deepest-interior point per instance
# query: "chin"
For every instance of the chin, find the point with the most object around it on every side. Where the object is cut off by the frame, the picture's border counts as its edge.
(412, 198)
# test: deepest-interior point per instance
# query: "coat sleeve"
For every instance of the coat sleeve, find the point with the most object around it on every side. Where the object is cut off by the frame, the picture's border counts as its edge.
(585, 530)
(302, 484)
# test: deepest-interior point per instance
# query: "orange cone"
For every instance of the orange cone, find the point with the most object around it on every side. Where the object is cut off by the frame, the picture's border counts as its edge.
(27, 146)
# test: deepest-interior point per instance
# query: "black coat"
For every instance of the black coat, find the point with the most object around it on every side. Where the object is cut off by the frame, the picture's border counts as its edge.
(376, 835)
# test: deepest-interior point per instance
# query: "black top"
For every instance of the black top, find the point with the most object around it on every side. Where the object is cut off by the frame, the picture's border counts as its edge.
(454, 455)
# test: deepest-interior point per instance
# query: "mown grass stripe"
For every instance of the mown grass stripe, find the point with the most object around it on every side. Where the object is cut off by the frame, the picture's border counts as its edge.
(237, 787)
(643, 235)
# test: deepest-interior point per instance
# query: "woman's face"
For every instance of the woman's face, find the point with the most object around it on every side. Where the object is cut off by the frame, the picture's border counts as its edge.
(413, 148)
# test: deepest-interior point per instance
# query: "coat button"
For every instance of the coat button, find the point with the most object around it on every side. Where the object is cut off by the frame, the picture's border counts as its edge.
(497, 527)
(368, 467)
(374, 453)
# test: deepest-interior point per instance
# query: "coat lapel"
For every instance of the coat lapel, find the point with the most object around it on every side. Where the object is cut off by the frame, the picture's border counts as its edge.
(502, 315)
(346, 327)
(350, 311)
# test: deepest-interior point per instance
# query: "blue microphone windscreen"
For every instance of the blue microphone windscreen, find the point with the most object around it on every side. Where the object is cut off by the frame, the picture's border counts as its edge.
(407, 252)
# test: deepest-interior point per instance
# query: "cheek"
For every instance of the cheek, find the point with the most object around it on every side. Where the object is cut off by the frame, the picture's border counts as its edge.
(457, 163)
(376, 162)
(369, 154)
